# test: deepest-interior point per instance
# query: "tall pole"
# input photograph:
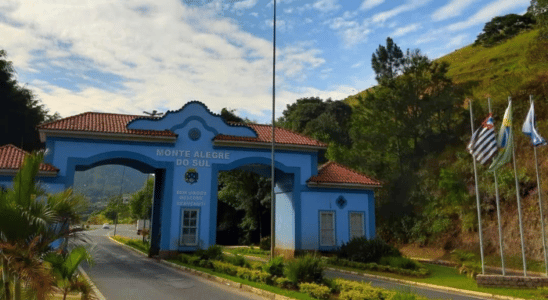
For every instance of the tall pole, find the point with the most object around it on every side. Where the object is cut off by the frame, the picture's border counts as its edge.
(477, 194)
(519, 203)
(539, 192)
(273, 181)
(498, 211)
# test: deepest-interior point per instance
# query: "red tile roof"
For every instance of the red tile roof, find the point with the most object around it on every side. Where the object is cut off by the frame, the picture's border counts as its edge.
(11, 158)
(264, 135)
(116, 123)
(335, 173)
(103, 123)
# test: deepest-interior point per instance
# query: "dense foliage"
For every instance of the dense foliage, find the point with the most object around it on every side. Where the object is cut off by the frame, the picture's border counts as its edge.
(21, 111)
(367, 250)
(504, 27)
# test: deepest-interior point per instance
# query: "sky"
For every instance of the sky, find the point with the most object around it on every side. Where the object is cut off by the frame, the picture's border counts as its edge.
(130, 56)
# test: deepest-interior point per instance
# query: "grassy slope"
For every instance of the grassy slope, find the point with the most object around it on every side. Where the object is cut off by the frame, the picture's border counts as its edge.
(495, 72)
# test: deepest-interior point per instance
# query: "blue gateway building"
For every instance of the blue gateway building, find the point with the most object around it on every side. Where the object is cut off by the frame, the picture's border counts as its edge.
(317, 208)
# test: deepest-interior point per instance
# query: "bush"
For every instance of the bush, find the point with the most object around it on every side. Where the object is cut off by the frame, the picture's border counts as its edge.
(399, 262)
(420, 272)
(237, 260)
(352, 290)
(264, 244)
(364, 250)
(315, 290)
(254, 275)
(213, 252)
(305, 269)
(275, 266)
(284, 283)
(224, 267)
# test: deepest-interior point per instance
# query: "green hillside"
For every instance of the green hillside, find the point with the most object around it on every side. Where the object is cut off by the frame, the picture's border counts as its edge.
(444, 211)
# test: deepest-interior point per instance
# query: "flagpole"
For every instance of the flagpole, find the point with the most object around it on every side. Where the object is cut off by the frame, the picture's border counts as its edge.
(498, 210)
(519, 204)
(539, 192)
(477, 194)
(272, 164)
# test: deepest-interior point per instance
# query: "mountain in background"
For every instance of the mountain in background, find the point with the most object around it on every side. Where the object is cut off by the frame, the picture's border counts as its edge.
(104, 182)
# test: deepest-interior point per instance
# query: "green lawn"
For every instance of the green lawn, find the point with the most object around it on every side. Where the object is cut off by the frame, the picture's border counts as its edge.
(450, 277)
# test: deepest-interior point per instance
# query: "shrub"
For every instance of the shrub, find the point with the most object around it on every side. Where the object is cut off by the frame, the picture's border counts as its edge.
(253, 275)
(264, 244)
(284, 283)
(213, 252)
(420, 272)
(399, 262)
(224, 267)
(363, 250)
(352, 290)
(305, 269)
(315, 290)
(275, 266)
(237, 260)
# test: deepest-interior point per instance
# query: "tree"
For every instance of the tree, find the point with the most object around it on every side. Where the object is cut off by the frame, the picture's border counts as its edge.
(539, 10)
(398, 124)
(502, 28)
(27, 229)
(140, 204)
(327, 121)
(387, 61)
(21, 112)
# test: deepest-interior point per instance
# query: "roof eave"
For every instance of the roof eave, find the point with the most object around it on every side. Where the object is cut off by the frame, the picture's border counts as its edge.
(106, 136)
(13, 172)
(357, 186)
(267, 145)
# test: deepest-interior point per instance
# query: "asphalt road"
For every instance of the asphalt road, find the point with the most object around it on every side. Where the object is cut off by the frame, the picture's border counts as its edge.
(131, 232)
(120, 273)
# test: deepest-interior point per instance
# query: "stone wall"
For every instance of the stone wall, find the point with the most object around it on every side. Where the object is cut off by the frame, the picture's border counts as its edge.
(511, 281)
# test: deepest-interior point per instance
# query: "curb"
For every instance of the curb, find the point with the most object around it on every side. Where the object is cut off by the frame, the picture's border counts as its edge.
(93, 287)
(227, 282)
(427, 285)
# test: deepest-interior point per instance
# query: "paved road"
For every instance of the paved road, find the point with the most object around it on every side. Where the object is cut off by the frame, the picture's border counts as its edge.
(130, 231)
(120, 273)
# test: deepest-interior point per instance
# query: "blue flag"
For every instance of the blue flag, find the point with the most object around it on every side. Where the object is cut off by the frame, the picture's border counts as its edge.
(529, 128)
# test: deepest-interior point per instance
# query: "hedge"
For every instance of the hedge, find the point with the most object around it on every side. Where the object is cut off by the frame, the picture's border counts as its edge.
(421, 272)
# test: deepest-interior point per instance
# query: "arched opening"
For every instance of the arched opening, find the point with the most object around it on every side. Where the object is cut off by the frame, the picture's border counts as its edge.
(287, 202)
(125, 160)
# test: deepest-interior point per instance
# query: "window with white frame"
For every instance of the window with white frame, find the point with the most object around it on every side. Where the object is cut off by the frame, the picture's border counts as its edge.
(327, 228)
(356, 225)
(189, 231)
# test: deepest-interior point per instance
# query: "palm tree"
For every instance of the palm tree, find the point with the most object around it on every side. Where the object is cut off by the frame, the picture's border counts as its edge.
(29, 223)
(24, 232)
(64, 267)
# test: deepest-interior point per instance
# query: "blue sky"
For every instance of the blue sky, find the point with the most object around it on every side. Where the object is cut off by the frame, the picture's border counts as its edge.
(130, 56)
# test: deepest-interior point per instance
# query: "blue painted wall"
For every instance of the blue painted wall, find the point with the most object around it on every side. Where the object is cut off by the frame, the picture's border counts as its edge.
(187, 172)
(315, 200)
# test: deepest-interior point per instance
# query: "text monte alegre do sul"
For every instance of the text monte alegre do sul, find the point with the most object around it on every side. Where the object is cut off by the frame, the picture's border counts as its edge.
(193, 158)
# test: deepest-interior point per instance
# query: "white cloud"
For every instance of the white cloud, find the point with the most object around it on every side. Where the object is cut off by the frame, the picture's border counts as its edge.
(255, 14)
(451, 9)
(357, 65)
(245, 4)
(369, 4)
(324, 74)
(164, 54)
(405, 30)
(456, 41)
(326, 5)
(495, 8)
(297, 58)
(408, 6)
